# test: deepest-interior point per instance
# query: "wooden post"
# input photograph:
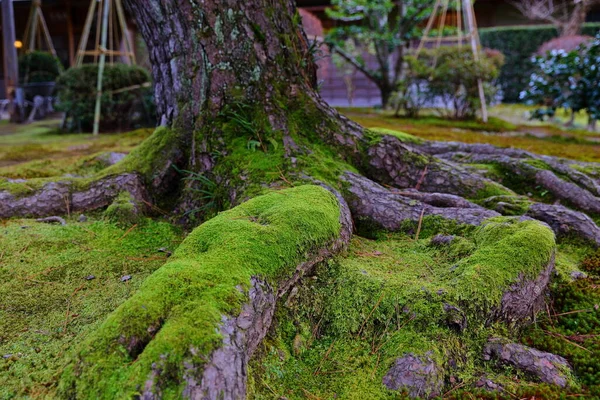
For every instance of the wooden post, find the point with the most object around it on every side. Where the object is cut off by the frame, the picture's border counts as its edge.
(70, 34)
(11, 66)
(474, 38)
(105, 11)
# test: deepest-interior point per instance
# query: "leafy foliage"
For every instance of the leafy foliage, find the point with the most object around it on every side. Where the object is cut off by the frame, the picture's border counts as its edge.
(449, 74)
(378, 27)
(567, 79)
(39, 66)
(123, 110)
(518, 44)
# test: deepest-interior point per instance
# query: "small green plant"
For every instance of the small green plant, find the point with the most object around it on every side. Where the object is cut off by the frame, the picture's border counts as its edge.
(126, 97)
(449, 75)
(206, 188)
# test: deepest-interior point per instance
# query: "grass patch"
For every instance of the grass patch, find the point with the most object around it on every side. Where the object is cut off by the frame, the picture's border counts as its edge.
(47, 306)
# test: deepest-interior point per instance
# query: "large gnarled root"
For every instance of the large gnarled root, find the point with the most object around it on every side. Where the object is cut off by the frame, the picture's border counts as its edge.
(388, 209)
(392, 162)
(194, 324)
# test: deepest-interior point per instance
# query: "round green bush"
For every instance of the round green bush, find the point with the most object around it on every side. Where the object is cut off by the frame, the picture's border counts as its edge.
(39, 66)
(123, 110)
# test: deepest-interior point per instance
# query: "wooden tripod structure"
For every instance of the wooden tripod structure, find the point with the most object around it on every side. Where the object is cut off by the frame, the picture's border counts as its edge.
(464, 9)
(112, 25)
(36, 30)
(111, 34)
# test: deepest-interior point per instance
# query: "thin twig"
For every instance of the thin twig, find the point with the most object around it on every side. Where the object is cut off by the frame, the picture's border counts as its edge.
(283, 177)
(69, 308)
(563, 337)
(128, 231)
(454, 388)
(324, 358)
(371, 313)
(420, 223)
(572, 312)
(421, 179)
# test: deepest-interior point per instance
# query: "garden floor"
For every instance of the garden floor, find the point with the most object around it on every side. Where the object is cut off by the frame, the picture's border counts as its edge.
(54, 290)
(507, 127)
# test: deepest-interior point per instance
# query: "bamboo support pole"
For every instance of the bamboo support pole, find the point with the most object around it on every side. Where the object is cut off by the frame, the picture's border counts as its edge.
(105, 11)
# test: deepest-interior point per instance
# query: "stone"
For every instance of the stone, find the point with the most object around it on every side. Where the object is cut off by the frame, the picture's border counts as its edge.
(419, 376)
(547, 367)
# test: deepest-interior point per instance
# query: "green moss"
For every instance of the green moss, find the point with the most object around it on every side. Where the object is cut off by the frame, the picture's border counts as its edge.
(123, 211)
(386, 298)
(47, 306)
(402, 136)
(538, 164)
(266, 236)
(491, 189)
(150, 156)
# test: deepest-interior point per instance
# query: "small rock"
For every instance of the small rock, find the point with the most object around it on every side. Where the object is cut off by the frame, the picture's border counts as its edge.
(441, 240)
(455, 317)
(7, 356)
(111, 158)
(90, 277)
(488, 385)
(165, 250)
(419, 375)
(82, 218)
(125, 278)
(578, 275)
(547, 367)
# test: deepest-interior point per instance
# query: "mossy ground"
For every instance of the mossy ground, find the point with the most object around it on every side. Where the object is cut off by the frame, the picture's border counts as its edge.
(207, 277)
(545, 139)
(48, 301)
(335, 337)
(338, 336)
(40, 150)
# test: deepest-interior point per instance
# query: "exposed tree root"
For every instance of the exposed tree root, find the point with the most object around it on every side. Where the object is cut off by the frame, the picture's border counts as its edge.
(388, 209)
(62, 197)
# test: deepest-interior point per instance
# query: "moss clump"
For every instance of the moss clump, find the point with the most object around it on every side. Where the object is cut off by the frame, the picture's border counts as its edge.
(507, 205)
(185, 299)
(150, 157)
(387, 298)
(124, 210)
(402, 136)
(572, 330)
(57, 284)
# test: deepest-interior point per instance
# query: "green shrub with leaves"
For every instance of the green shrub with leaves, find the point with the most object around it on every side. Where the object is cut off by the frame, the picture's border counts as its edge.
(450, 75)
(39, 66)
(518, 44)
(126, 97)
(381, 28)
(568, 80)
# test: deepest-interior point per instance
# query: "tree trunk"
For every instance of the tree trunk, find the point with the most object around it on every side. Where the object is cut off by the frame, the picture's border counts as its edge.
(206, 61)
(573, 24)
(386, 95)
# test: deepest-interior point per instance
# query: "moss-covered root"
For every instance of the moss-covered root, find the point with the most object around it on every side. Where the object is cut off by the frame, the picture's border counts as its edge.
(194, 323)
(392, 160)
(147, 166)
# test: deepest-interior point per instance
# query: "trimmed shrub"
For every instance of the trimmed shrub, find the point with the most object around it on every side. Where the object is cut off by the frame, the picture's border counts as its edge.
(39, 66)
(450, 75)
(127, 109)
(568, 79)
(518, 44)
